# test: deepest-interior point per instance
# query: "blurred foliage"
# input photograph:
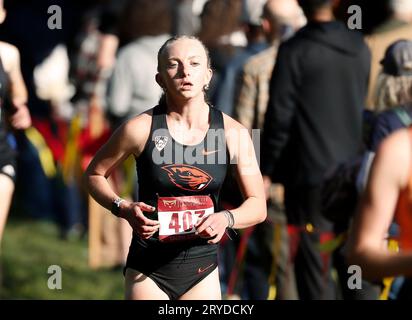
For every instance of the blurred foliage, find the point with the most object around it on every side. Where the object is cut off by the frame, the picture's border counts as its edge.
(30, 247)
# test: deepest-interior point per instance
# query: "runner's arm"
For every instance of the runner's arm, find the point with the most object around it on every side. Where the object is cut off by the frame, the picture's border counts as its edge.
(253, 210)
(128, 139)
(367, 246)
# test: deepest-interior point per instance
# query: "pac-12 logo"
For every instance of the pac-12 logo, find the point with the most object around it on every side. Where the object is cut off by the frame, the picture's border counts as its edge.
(188, 177)
(160, 142)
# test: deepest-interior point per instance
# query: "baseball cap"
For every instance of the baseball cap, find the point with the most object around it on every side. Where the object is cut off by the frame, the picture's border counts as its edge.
(398, 59)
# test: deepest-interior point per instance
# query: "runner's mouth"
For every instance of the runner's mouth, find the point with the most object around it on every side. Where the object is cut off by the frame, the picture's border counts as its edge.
(187, 85)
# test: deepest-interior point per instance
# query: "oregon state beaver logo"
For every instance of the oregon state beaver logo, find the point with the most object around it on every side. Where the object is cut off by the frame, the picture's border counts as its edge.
(188, 177)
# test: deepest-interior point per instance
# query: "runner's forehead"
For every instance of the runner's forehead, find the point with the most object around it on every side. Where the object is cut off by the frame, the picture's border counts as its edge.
(185, 48)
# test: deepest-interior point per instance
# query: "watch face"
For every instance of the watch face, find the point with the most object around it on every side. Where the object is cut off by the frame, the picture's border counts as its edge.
(116, 206)
(118, 201)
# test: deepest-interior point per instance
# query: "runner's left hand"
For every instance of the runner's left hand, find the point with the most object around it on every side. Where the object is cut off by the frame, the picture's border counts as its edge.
(212, 226)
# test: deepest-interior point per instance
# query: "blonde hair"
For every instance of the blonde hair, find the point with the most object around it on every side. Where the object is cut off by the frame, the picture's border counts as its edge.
(176, 38)
(392, 91)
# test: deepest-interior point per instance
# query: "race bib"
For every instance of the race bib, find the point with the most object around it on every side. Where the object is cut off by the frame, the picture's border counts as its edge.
(179, 215)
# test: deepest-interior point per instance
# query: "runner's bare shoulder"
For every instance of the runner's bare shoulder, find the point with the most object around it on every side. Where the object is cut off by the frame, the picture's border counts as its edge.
(137, 130)
(9, 55)
(236, 135)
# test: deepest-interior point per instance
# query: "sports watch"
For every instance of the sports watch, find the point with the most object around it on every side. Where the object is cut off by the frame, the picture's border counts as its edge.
(116, 206)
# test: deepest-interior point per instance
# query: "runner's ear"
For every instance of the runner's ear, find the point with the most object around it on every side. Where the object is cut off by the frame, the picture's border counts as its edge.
(159, 81)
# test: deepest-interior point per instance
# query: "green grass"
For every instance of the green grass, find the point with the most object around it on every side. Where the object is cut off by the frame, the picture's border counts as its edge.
(30, 247)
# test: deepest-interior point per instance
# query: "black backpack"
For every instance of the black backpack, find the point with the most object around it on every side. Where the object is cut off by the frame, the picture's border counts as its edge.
(342, 186)
(344, 182)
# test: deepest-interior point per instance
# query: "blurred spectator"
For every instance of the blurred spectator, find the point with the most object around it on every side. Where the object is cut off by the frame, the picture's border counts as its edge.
(14, 115)
(393, 87)
(281, 18)
(387, 198)
(51, 79)
(314, 120)
(40, 50)
(228, 86)
(185, 19)
(394, 92)
(221, 33)
(397, 27)
(37, 44)
(396, 66)
(132, 86)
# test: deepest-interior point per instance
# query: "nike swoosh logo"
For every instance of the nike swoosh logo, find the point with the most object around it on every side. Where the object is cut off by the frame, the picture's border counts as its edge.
(206, 153)
(201, 270)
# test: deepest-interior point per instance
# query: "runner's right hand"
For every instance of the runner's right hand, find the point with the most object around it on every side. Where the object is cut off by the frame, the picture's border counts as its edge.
(143, 226)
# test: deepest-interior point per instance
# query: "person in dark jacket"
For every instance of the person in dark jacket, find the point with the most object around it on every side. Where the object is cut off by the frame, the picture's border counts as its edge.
(313, 121)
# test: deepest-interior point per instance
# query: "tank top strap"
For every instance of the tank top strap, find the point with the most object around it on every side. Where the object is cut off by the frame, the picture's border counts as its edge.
(4, 84)
(216, 118)
(216, 129)
(159, 117)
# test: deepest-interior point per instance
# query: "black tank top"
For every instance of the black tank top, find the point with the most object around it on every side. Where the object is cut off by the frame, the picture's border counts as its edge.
(5, 150)
(167, 168)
